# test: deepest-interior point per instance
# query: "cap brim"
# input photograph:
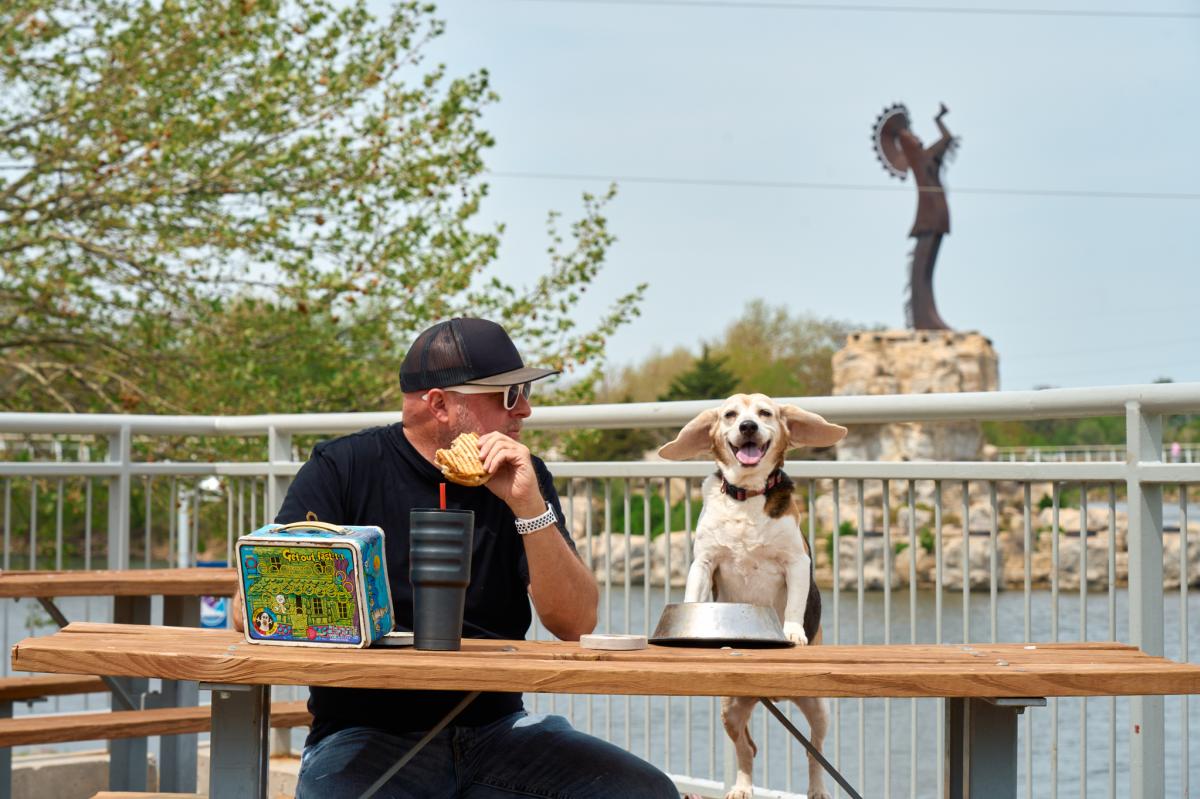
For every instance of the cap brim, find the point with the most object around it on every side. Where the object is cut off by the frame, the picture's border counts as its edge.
(523, 375)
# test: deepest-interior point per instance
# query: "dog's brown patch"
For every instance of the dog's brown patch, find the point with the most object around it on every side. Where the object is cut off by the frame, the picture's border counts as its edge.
(779, 499)
(780, 445)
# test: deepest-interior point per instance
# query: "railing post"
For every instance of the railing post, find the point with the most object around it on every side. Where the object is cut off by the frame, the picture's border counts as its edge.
(279, 448)
(120, 451)
(1143, 442)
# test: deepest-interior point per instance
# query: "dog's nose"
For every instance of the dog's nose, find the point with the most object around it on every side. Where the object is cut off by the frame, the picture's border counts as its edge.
(748, 427)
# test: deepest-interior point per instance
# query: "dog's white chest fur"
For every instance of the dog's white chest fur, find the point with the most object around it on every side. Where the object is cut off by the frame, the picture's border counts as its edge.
(749, 552)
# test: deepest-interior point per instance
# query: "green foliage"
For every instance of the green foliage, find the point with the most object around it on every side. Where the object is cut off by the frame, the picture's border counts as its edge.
(775, 353)
(1045, 501)
(647, 380)
(637, 514)
(708, 378)
(1056, 432)
(609, 445)
(844, 529)
(925, 538)
(767, 350)
(241, 206)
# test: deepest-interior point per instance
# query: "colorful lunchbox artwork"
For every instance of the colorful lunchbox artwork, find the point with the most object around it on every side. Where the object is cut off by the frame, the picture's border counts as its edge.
(315, 583)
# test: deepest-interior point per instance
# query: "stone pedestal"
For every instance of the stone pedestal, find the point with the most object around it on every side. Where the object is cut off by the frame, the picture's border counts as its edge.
(914, 362)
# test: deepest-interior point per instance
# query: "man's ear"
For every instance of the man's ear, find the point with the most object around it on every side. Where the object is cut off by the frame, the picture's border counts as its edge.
(807, 429)
(694, 439)
(436, 402)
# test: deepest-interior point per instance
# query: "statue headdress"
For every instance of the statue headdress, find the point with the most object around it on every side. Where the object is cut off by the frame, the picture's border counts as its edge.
(891, 121)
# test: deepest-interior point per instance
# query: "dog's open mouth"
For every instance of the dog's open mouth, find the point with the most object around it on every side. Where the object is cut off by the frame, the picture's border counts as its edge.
(749, 454)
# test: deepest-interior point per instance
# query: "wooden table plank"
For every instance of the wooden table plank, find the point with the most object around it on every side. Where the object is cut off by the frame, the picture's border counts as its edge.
(106, 726)
(903, 653)
(195, 581)
(1006, 670)
(20, 688)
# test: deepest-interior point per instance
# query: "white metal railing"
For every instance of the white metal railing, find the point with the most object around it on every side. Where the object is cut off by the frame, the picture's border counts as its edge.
(1041, 559)
(1174, 453)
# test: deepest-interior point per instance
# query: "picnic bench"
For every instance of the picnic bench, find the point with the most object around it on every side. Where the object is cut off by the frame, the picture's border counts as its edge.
(115, 725)
(132, 591)
(986, 684)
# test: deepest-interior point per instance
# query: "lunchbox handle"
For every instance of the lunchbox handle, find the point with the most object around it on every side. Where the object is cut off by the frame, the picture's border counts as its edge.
(311, 523)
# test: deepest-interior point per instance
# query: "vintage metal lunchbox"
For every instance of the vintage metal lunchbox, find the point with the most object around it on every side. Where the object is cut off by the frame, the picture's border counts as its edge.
(313, 583)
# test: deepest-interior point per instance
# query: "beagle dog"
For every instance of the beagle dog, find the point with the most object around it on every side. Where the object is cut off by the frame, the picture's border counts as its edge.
(749, 546)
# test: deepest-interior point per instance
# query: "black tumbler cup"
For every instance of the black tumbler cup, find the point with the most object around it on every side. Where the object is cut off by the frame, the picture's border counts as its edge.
(439, 568)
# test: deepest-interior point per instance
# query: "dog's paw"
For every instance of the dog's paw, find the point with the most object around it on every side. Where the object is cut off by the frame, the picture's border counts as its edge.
(740, 793)
(820, 794)
(795, 633)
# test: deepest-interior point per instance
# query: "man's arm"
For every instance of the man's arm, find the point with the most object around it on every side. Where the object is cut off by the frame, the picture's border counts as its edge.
(563, 590)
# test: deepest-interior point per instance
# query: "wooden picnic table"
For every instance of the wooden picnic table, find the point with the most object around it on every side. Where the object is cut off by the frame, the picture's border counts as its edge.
(132, 590)
(987, 684)
(186, 582)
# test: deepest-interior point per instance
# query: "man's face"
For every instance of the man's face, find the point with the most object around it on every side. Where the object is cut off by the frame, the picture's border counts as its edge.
(483, 413)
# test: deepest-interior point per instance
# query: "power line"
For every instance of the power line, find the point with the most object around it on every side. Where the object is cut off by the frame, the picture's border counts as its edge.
(820, 186)
(778, 5)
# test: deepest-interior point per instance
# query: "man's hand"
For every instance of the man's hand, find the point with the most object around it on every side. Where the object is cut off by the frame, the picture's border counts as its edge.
(513, 479)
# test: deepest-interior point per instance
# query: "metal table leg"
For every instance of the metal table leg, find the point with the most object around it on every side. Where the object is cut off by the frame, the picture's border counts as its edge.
(119, 695)
(812, 750)
(241, 722)
(981, 756)
(419, 745)
(6, 712)
(127, 758)
(177, 753)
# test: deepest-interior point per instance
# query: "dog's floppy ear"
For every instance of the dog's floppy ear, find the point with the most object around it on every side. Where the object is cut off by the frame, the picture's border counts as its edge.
(807, 429)
(694, 439)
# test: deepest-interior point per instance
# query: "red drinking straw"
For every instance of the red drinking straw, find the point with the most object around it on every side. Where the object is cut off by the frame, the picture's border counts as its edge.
(442, 495)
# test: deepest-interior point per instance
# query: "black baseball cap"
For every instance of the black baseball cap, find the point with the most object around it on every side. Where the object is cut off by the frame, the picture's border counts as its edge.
(465, 350)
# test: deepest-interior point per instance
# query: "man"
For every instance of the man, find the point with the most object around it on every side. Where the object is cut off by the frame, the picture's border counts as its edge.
(460, 375)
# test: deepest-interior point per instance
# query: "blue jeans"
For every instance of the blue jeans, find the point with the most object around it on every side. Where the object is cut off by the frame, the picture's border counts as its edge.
(519, 755)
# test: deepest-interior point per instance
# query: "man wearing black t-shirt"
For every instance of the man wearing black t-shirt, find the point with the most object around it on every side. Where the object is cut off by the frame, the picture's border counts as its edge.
(460, 375)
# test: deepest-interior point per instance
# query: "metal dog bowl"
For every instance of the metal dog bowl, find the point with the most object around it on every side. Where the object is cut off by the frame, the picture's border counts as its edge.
(719, 624)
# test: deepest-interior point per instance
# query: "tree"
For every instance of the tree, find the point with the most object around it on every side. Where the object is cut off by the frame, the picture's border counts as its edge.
(645, 380)
(792, 355)
(248, 206)
(706, 379)
(622, 444)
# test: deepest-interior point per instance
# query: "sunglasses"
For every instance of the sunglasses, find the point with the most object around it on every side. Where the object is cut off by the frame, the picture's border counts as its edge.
(512, 394)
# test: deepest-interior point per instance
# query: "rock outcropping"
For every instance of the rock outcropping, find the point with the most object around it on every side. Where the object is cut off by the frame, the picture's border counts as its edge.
(914, 362)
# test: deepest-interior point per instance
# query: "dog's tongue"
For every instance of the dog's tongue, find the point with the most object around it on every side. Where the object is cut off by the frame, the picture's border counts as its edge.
(749, 454)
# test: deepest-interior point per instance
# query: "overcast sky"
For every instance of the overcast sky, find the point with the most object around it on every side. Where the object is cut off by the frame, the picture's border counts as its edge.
(738, 133)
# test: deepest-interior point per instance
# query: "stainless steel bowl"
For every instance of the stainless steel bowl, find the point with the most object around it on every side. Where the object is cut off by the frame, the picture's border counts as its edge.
(719, 624)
